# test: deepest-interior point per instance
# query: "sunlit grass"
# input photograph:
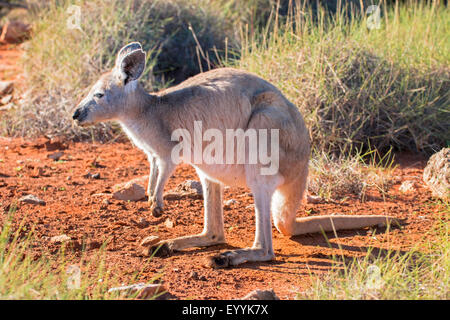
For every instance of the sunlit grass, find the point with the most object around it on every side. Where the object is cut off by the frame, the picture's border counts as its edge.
(422, 272)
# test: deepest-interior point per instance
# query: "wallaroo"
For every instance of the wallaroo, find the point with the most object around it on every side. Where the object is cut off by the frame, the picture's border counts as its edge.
(221, 99)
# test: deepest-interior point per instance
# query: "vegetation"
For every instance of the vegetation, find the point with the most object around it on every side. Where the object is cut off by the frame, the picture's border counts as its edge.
(384, 87)
(27, 276)
(423, 272)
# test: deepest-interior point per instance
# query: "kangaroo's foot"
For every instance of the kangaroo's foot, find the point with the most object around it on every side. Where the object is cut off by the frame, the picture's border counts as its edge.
(167, 247)
(235, 257)
(157, 210)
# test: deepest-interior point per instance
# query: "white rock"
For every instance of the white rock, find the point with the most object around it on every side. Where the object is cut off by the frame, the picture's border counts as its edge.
(6, 99)
(32, 199)
(169, 223)
(6, 87)
(60, 239)
(437, 174)
(407, 186)
(230, 202)
(130, 191)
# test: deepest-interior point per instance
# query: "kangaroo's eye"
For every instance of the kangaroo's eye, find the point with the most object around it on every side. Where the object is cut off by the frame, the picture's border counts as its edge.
(99, 95)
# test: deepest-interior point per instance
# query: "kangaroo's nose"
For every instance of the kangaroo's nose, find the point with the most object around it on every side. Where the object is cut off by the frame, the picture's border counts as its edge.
(76, 115)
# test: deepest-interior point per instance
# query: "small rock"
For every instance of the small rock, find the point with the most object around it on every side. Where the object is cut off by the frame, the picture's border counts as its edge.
(169, 223)
(60, 239)
(261, 295)
(6, 87)
(436, 174)
(92, 175)
(314, 199)
(191, 185)
(250, 206)
(6, 99)
(129, 191)
(141, 290)
(193, 275)
(15, 32)
(189, 189)
(56, 156)
(407, 186)
(32, 200)
(142, 223)
(229, 203)
(106, 202)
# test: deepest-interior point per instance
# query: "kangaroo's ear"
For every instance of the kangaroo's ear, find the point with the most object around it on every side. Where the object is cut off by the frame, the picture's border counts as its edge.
(130, 62)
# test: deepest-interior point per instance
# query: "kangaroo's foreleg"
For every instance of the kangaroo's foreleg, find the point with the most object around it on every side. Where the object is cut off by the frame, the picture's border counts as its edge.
(152, 178)
(213, 230)
(164, 169)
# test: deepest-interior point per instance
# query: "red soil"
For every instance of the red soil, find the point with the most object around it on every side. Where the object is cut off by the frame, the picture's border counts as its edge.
(72, 208)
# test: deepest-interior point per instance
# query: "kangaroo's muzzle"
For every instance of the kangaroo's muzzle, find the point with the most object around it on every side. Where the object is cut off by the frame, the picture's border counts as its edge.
(80, 115)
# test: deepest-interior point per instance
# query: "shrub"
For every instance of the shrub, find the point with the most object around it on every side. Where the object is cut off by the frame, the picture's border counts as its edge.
(61, 63)
(382, 87)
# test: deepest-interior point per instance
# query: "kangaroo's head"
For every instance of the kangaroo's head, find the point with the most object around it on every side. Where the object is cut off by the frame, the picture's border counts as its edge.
(108, 97)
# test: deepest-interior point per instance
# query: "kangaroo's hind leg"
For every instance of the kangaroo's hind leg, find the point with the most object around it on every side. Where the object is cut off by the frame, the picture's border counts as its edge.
(213, 230)
(262, 188)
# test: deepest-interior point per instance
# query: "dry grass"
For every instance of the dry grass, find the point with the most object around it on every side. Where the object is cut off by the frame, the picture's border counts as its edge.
(421, 273)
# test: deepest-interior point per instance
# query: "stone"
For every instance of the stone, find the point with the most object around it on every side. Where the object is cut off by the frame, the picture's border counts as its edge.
(55, 156)
(142, 223)
(6, 87)
(129, 192)
(92, 175)
(407, 186)
(6, 99)
(261, 295)
(229, 203)
(314, 199)
(190, 189)
(60, 239)
(32, 199)
(436, 174)
(169, 223)
(15, 32)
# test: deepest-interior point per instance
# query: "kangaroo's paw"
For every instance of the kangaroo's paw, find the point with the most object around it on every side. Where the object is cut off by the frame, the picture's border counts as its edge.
(157, 211)
(235, 257)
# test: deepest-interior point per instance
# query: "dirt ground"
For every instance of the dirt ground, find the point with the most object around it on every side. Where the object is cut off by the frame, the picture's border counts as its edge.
(74, 208)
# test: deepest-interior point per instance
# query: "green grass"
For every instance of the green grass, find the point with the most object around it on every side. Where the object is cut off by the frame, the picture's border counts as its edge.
(420, 273)
(48, 275)
(387, 87)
